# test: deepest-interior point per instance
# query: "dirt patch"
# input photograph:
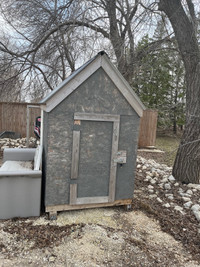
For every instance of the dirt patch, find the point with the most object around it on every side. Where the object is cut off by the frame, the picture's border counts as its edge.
(159, 157)
(97, 237)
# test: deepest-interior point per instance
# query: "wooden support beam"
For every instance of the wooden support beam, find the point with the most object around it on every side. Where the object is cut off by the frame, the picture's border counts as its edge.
(66, 207)
(75, 154)
(73, 194)
(113, 167)
(96, 117)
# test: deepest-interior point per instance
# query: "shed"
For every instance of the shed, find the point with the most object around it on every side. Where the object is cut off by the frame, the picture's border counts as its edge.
(90, 135)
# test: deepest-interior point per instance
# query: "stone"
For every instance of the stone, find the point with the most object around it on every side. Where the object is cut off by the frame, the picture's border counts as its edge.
(52, 259)
(167, 186)
(148, 177)
(197, 215)
(195, 207)
(171, 178)
(153, 181)
(188, 204)
(196, 186)
(186, 199)
(139, 166)
(149, 174)
(164, 180)
(166, 205)
(151, 191)
(180, 209)
(153, 196)
(144, 167)
(189, 192)
(159, 200)
(150, 187)
(169, 196)
(176, 184)
(196, 211)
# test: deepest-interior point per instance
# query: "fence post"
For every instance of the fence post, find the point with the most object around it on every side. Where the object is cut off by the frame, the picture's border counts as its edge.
(148, 127)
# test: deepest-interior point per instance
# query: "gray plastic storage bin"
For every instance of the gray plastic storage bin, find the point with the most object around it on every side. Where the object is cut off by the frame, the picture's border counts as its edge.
(20, 189)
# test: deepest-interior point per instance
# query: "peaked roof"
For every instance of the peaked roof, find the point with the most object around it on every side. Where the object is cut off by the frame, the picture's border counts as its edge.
(70, 84)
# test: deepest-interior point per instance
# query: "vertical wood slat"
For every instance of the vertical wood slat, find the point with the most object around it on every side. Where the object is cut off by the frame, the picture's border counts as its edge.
(13, 117)
(73, 194)
(148, 126)
(113, 167)
(75, 154)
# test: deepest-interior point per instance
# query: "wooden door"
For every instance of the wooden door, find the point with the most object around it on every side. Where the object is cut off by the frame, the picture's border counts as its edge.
(94, 158)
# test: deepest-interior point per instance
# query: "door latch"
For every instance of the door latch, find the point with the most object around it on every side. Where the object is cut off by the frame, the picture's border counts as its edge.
(121, 157)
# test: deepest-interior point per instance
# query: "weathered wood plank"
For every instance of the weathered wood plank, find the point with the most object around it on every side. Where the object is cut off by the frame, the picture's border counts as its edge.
(87, 206)
(73, 194)
(113, 167)
(91, 200)
(96, 117)
(75, 154)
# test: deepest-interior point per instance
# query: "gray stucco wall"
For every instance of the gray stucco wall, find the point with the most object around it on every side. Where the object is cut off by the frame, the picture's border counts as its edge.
(97, 94)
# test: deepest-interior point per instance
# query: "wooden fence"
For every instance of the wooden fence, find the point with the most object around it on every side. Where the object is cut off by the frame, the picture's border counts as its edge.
(148, 127)
(13, 117)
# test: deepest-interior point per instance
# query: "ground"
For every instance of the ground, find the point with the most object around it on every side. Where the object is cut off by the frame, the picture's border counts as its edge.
(96, 237)
(147, 235)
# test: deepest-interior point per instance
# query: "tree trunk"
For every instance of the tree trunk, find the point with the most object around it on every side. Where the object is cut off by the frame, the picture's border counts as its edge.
(187, 163)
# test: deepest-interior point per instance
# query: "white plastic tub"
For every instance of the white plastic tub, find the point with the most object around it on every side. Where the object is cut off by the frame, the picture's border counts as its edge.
(20, 186)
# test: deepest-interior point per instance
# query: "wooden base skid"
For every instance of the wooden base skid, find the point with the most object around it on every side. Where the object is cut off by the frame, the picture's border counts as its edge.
(52, 210)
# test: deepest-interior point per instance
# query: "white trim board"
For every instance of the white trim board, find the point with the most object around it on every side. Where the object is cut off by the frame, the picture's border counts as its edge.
(66, 88)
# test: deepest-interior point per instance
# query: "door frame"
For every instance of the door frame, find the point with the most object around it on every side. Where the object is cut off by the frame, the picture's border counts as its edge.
(78, 117)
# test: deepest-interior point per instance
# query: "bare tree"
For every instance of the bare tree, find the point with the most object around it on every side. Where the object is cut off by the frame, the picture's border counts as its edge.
(55, 35)
(183, 20)
(43, 54)
(10, 79)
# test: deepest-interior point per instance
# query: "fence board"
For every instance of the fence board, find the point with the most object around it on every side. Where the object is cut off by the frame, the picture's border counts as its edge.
(148, 126)
(13, 117)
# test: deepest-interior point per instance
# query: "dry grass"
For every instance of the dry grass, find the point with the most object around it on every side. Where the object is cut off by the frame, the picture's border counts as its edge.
(169, 144)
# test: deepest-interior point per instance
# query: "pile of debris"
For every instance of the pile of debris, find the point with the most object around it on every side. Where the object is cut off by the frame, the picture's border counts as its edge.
(17, 143)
